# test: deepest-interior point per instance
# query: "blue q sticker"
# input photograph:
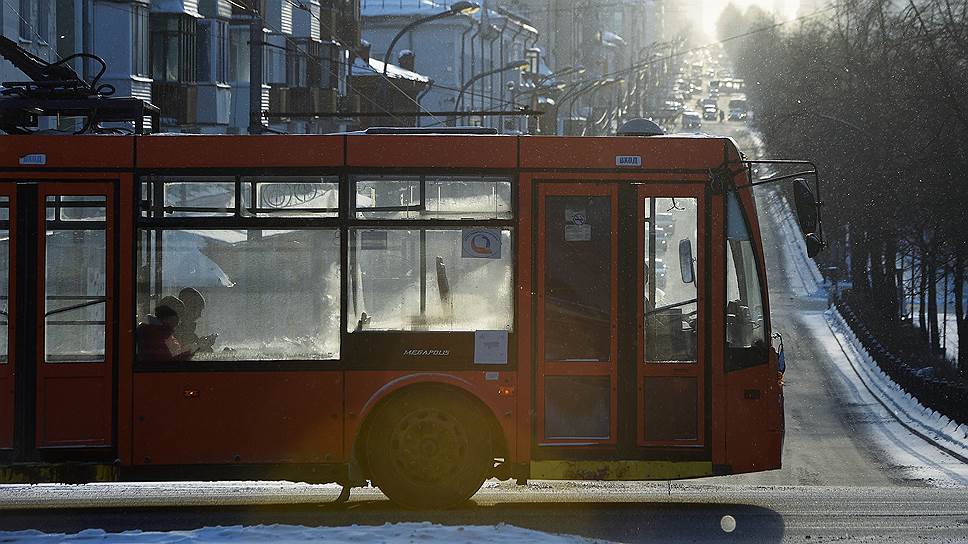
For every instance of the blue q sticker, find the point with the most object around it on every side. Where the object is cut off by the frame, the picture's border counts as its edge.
(480, 243)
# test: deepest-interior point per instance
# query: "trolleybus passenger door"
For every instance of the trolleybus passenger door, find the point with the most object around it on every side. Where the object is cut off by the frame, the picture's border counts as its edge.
(74, 314)
(7, 207)
(670, 360)
(577, 324)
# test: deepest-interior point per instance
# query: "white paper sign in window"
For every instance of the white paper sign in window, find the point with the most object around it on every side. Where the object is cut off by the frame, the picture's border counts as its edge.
(490, 347)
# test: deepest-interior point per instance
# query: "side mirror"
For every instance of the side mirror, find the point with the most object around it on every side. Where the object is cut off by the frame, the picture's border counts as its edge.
(806, 205)
(807, 215)
(686, 269)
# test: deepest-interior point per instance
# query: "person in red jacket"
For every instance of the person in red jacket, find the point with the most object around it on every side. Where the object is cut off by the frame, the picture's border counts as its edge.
(155, 335)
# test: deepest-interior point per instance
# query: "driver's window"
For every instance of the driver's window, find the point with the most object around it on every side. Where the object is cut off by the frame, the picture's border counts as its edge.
(744, 305)
(670, 293)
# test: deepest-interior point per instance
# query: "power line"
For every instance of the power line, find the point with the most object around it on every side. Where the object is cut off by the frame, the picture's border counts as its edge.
(33, 30)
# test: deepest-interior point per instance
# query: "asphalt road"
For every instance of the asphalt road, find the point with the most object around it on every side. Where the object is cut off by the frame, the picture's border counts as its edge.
(839, 481)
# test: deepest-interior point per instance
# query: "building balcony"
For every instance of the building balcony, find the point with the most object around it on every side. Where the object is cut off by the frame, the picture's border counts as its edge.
(178, 102)
(313, 100)
(279, 99)
(214, 104)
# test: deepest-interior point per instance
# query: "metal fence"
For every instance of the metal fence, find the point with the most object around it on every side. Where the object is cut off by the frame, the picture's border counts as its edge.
(915, 370)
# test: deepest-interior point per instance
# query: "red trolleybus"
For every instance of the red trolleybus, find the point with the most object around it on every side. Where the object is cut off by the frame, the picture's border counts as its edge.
(420, 311)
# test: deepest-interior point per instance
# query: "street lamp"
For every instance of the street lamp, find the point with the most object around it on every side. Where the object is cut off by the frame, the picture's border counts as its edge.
(514, 64)
(457, 8)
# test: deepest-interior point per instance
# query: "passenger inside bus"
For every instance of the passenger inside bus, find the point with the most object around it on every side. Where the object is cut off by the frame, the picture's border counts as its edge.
(155, 335)
(186, 330)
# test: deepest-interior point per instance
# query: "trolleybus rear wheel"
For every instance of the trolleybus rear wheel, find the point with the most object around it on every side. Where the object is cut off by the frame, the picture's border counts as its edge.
(429, 448)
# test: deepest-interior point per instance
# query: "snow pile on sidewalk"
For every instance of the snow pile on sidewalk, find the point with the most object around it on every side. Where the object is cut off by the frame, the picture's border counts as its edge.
(804, 276)
(932, 425)
(280, 534)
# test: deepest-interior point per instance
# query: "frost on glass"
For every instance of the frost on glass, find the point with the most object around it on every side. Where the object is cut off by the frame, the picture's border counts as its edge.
(198, 198)
(268, 294)
(291, 197)
(76, 208)
(420, 280)
(4, 278)
(263, 196)
(74, 293)
(433, 197)
(670, 303)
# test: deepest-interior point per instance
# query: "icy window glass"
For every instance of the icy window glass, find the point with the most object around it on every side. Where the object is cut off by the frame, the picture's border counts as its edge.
(239, 295)
(263, 196)
(291, 197)
(4, 277)
(75, 290)
(199, 198)
(433, 197)
(430, 280)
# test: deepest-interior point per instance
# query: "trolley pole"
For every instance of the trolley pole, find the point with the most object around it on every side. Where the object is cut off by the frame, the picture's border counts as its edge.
(256, 38)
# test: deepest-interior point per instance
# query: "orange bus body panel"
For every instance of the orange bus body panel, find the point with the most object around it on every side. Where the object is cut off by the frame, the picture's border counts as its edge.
(223, 151)
(657, 153)
(105, 152)
(238, 417)
(432, 151)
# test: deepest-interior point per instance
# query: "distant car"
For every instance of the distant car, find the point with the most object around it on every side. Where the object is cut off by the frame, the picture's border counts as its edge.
(691, 120)
(710, 113)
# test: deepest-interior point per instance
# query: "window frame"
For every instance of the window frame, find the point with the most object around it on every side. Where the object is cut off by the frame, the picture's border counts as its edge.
(738, 358)
(178, 31)
(354, 348)
(146, 222)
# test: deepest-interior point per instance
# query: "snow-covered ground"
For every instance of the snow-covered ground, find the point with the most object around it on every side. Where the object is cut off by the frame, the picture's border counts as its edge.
(389, 533)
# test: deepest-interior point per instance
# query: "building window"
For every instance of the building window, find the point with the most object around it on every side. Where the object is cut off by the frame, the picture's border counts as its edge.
(139, 40)
(173, 48)
(26, 12)
(43, 21)
(212, 51)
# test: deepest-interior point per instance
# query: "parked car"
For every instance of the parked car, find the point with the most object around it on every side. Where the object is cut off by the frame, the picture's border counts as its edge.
(710, 113)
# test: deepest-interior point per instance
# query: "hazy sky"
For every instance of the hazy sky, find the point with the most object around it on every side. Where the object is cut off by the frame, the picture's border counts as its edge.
(787, 9)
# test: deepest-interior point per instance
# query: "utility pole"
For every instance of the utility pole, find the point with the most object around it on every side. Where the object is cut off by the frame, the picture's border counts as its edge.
(256, 38)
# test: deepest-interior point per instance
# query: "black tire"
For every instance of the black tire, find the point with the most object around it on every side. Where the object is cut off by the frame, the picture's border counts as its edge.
(429, 448)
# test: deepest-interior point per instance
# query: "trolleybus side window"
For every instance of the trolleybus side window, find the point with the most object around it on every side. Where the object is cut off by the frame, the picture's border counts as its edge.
(430, 253)
(4, 276)
(578, 278)
(745, 322)
(75, 278)
(670, 299)
(249, 265)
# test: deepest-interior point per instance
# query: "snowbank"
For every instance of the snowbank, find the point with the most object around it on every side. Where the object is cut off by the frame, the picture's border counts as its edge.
(911, 413)
(804, 277)
(279, 534)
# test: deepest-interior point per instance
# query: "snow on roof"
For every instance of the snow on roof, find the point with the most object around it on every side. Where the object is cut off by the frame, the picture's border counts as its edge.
(375, 68)
(377, 8)
(425, 8)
